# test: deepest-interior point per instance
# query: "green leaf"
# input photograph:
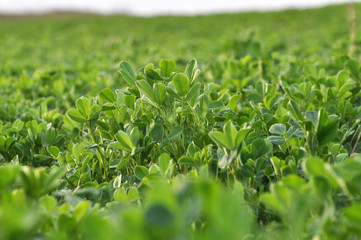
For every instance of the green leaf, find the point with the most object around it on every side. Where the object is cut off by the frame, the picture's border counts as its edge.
(75, 115)
(167, 67)
(83, 105)
(48, 202)
(232, 103)
(175, 132)
(181, 83)
(117, 183)
(185, 160)
(154, 171)
(157, 133)
(313, 116)
(295, 111)
(193, 149)
(203, 105)
(255, 98)
(94, 112)
(70, 160)
(52, 180)
(194, 91)
(278, 128)
(129, 100)
(295, 132)
(192, 70)
(215, 105)
(247, 171)
(257, 148)
(135, 135)
(41, 156)
(220, 139)
(120, 96)
(278, 140)
(260, 148)
(145, 88)
(315, 166)
(230, 133)
(160, 93)
(107, 95)
(230, 138)
(152, 75)
(127, 72)
(353, 66)
(344, 91)
(271, 201)
(122, 162)
(277, 164)
(53, 151)
(241, 135)
(133, 194)
(227, 159)
(141, 172)
(120, 195)
(327, 128)
(164, 161)
(172, 93)
(342, 77)
(80, 210)
(107, 107)
(124, 142)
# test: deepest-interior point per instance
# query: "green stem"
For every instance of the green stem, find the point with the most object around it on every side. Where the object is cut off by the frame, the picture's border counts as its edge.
(288, 145)
(99, 151)
(308, 143)
(181, 115)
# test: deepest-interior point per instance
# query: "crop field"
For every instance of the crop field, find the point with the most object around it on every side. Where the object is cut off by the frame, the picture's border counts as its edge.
(229, 126)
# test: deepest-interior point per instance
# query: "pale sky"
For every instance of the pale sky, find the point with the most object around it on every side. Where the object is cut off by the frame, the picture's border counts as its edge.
(155, 7)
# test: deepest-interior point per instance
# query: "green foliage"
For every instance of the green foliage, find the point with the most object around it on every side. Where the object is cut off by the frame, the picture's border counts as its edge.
(260, 139)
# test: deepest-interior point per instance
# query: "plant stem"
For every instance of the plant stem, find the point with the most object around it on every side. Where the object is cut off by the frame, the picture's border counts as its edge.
(100, 153)
(308, 143)
(354, 147)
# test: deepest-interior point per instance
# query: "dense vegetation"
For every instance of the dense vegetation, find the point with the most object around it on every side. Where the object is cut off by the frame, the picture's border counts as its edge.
(256, 139)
